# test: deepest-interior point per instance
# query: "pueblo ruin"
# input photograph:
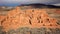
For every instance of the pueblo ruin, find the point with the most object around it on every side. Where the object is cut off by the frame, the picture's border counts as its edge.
(31, 18)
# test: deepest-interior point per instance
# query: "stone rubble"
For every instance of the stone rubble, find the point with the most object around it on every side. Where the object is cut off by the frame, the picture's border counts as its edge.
(32, 18)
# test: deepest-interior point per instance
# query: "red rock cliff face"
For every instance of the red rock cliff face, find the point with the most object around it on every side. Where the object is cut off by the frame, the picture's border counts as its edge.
(32, 18)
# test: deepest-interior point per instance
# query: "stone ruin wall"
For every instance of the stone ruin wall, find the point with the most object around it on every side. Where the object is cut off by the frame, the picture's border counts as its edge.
(31, 18)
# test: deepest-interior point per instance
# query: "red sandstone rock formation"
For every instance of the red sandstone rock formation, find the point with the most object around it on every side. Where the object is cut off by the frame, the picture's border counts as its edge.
(28, 18)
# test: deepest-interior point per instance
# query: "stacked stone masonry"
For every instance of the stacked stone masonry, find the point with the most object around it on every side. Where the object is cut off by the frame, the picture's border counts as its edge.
(32, 18)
